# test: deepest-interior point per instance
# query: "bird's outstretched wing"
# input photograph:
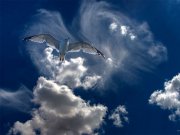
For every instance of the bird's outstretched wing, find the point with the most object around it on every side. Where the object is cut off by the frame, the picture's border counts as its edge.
(44, 38)
(85, 47)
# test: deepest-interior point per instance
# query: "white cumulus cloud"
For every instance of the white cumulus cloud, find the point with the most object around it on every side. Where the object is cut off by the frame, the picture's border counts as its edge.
(60, 112)
(73, 73)
(119, 115)
(169, 97)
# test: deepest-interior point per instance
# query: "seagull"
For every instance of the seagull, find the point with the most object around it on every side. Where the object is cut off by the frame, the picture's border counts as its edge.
(66, 47)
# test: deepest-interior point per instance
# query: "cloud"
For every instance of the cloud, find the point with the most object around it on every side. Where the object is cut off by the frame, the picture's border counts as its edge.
(119, 115)
(124, 30)
(60, 112)
(73, 73)
(169, 98)
(19, 99)
(158, 52)
(128, 43)
(113, 26)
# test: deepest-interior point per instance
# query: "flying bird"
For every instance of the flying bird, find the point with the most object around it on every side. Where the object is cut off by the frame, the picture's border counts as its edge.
(66, 47)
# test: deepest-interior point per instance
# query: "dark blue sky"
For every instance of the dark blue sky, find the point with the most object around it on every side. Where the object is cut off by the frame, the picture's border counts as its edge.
(16, 67)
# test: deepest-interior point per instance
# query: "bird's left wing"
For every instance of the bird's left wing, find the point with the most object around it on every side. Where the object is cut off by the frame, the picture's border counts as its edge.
(85, 47)
(44, 38)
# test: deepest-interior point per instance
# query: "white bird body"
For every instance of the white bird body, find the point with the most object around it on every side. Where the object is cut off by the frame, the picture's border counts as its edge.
(64, 47)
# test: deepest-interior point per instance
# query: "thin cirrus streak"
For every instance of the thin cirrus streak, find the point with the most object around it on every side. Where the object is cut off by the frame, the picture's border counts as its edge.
(128, 45)
(19, 99)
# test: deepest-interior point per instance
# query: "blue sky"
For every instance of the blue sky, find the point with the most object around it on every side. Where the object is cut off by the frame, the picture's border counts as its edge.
(134, 91)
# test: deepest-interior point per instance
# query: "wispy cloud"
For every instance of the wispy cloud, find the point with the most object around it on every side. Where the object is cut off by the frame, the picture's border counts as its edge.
(127, 43)
(19, 99)
(169, 98)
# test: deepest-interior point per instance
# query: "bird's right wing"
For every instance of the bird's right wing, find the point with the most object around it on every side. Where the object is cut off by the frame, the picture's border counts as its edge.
(44, 38)
(85, 47)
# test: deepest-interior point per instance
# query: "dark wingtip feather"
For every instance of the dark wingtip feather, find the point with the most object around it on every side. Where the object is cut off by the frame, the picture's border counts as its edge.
(27, 38)
(100, 53)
